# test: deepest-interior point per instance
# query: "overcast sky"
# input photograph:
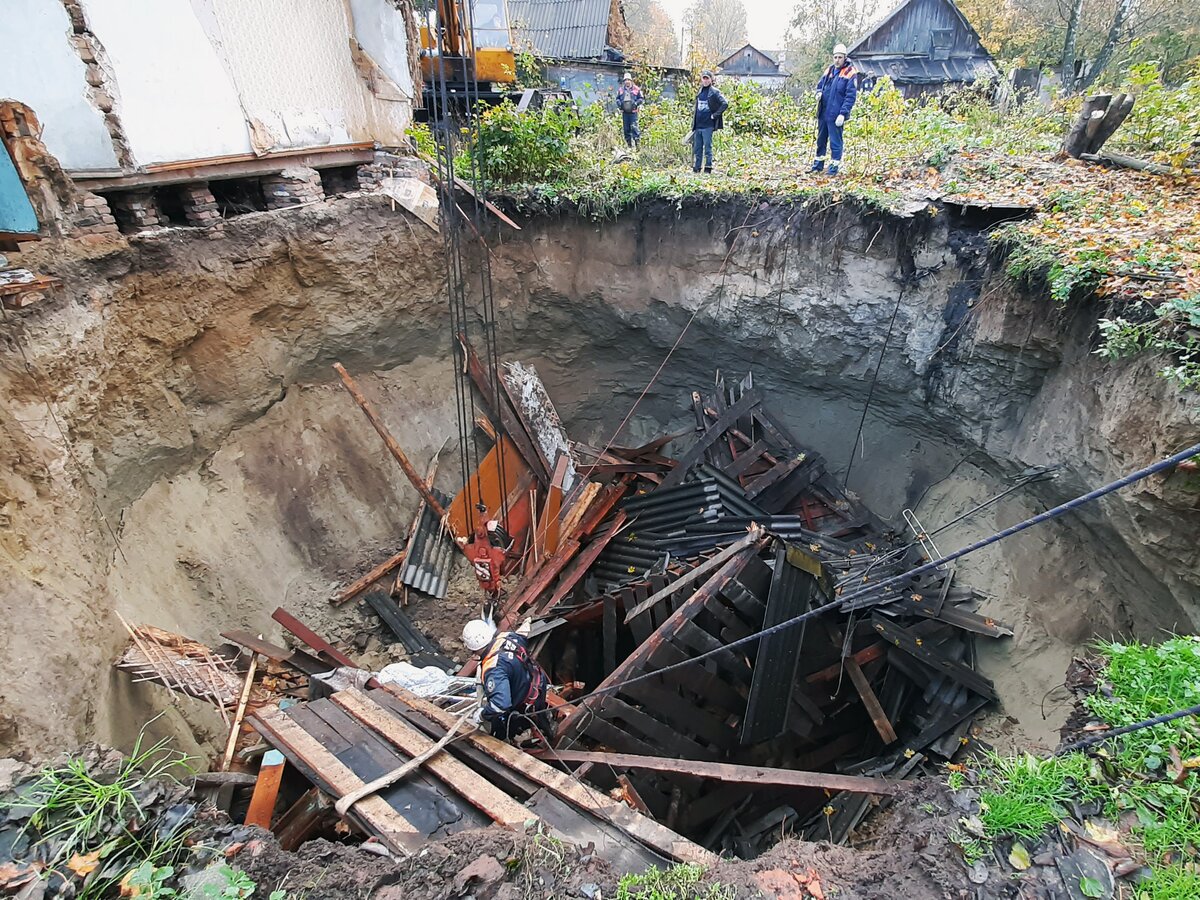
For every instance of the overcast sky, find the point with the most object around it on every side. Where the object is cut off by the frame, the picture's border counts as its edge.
(766, 20)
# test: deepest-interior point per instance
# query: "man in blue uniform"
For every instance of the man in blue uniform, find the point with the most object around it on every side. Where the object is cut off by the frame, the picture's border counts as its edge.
(514, 685)
(629, 100)
(836, 93)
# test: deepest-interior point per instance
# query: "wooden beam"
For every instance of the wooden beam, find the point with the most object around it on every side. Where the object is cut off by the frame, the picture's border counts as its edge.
(582, 563)
(727, 772)
(695, 453)
(703, 569)
(636, 661)
(393, 446)
(475, 789)
(297, 823)
(862, 657)
(235, 727)
(633, 824)
(919, 649)
(358, 586)
(297, 659)
(266, 790)
(374, 813)
(886, 732)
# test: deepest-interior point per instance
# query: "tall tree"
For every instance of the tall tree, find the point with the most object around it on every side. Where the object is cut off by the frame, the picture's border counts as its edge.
(1117, 32)
(717, 28)
(817, 25)
(1068, 58)
(652, 37)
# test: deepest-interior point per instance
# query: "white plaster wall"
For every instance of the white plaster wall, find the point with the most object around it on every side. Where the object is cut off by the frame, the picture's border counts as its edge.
(379, 28)
(39, 67)
(291, 63)
(176, 99)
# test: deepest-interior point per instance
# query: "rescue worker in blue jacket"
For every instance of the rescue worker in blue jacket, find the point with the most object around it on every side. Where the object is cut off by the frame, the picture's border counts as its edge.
(836, 93)
(514, 685)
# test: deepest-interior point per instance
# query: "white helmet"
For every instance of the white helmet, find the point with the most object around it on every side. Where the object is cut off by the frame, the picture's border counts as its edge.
(840, 50)
(477, 634)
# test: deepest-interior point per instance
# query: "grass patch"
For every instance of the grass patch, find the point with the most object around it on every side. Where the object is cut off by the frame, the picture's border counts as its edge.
(680, 882)
(1024, 796)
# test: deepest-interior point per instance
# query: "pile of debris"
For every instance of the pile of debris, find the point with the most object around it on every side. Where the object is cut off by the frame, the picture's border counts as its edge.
(695, 716)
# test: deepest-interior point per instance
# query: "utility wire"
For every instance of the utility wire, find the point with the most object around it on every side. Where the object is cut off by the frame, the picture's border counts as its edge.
(897, 580)
(1101, 737)
(871, 393)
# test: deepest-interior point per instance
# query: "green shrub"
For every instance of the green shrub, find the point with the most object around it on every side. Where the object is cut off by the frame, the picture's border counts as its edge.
(529, 146)
(680, 882)
(1164, 120)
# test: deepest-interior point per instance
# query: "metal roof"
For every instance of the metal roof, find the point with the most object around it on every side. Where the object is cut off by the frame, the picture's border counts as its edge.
(923, 70)
(561, 29)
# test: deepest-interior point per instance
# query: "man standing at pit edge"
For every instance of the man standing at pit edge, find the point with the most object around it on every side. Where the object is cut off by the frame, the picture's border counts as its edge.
(629, 99)
(836, 93)
(706, 118)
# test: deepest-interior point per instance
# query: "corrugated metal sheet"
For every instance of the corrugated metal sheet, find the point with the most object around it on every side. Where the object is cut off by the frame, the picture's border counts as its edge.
(430, 553)
(561, 29)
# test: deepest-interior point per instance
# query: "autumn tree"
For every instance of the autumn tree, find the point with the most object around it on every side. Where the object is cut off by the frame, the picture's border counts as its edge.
(717, 28)
(652, 37)
(816, 26)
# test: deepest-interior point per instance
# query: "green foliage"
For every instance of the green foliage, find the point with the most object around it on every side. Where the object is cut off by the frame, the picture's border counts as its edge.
(530, 146)
(237, 885)
(680, 882)
(422, 137)
(1030, 259)
(1171, 330)
(1025, 794)
(1164, 120)
(777, 114)
(149, 882)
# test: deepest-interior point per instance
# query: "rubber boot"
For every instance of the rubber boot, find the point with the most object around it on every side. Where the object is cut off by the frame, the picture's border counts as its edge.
(833, 168)
(818, 165)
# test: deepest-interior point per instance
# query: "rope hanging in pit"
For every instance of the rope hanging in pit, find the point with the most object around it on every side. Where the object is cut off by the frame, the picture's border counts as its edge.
(469, 315)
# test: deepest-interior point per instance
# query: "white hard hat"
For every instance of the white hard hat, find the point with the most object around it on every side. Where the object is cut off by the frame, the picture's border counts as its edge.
(840, 50)
(477, 634)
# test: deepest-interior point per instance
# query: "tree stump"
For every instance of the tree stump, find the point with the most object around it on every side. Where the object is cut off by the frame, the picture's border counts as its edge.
(1097, 121)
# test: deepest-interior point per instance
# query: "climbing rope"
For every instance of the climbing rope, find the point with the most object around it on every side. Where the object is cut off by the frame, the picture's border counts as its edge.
(905, 577)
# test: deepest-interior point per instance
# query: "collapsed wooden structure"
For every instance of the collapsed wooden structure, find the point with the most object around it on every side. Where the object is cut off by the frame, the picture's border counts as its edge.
(752, 655)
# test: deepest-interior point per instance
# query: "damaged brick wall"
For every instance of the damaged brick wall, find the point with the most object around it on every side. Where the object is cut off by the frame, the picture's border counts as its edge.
(292, 187)
(60, 208)
(102, 91)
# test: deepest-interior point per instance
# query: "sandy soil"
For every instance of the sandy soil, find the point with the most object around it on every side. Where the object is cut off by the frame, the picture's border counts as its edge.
(203, 428)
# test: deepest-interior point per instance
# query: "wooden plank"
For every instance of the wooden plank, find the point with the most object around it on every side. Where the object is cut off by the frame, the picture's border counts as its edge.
(318, 728)
(635, 662)
(862, 657)
(266, 790)
(235, 728)
(475, 789)
(703, 569)
(390, 442)
(297, 628)
(746, 459)
(728, 772)
(886, 733)
(358, 586)
(919, 649)
(633, 824)
(297, 659)
(729, 417)
(581, 564)
(605, 732)
(769, 478)
(376, 816)
(299, 822)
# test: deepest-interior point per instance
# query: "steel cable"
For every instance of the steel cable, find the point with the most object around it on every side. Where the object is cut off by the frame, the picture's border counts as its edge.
(897, 580)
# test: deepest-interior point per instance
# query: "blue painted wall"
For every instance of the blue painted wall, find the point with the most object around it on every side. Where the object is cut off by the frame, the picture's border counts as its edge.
(16, 212)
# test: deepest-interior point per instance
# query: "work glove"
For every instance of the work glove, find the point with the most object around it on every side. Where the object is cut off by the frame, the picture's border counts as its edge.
(817, 92)
(840, 121)
(525, 627)
(476, 716)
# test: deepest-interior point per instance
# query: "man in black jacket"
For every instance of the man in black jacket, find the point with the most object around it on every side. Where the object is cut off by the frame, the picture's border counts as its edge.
(706, 118)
